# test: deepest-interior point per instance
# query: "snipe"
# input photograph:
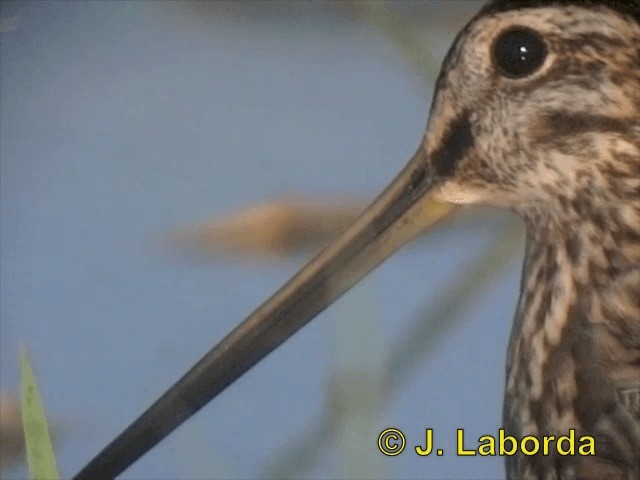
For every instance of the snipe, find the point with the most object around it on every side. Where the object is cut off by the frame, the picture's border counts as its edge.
(537, 109)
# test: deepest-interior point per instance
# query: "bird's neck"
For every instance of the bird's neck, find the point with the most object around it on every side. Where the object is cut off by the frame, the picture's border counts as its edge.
(573, 349)
(578, 306)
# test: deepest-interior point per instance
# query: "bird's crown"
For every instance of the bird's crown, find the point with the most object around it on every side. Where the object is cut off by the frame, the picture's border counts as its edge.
(624, 7)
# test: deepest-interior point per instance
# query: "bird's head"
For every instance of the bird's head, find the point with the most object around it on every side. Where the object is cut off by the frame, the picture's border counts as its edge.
(538, 105)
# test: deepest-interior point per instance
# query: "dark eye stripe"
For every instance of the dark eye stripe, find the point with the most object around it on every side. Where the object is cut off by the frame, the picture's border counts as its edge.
(457, 140)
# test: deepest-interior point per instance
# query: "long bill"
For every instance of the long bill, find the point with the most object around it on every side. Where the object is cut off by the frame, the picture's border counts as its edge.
(394, 218)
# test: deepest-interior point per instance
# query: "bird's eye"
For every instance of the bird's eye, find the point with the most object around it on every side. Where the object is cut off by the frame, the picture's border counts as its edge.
(519, 52)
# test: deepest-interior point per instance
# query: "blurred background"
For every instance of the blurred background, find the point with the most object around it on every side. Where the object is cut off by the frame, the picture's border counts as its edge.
(122, 123)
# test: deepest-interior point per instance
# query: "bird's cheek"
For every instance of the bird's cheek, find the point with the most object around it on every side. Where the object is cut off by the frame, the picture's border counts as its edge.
(454, 191)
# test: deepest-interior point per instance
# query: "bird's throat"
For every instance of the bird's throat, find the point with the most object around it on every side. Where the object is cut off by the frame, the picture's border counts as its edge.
(577, 317)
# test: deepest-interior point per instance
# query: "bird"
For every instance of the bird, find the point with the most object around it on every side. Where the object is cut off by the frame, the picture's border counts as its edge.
(536, 110)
